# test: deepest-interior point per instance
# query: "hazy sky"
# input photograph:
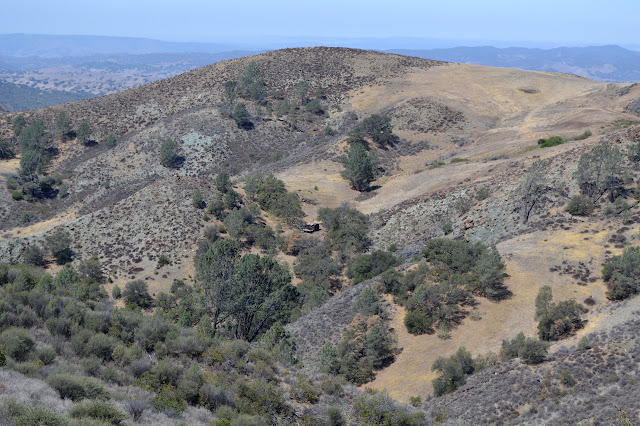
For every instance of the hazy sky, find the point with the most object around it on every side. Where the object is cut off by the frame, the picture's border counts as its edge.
(561, 21)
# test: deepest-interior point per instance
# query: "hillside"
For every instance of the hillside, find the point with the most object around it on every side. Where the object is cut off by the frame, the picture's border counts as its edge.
(461, 130)
(40, 81)
(600, 63)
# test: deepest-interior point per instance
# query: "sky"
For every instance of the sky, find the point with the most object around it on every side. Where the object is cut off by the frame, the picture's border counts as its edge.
(561, 22)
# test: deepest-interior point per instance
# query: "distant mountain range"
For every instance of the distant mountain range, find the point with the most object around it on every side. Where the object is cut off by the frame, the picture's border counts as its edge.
(40, 70)
(601, 63)
(43, 45)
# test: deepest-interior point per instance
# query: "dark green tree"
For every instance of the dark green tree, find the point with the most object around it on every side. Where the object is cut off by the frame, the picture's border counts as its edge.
(561, 320)
(360, 167)
(489, 270)
(196, 199)
(302, 88)
(262, 294)
(91, 270)
(137, 293)
(34, 256)
(35, 137)
(329, 362)
(241, 116)
(59, 244)
(62, 126)
(169, 154)
(84, 132)
(110, 141)
(6, 151)
(32, 164)
(347, 228)
(622, 274)
(376, 128)
(223, 182)
(370, 265)
(19, 123)
(452, 371)
(214, 277)
(543, 301)
(600, 170)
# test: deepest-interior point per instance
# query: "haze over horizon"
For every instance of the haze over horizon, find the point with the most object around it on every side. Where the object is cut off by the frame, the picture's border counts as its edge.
(257, 24)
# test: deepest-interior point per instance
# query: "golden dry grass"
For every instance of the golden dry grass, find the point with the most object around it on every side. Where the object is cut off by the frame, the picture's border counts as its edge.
(528, 259)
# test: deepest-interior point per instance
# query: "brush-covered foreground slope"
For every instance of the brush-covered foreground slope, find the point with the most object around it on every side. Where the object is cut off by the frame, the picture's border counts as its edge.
(127, 209)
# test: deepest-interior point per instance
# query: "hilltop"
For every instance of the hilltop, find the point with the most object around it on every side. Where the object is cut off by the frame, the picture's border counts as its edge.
(461, 131)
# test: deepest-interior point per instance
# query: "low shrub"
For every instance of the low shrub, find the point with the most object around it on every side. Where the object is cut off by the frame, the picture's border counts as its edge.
(17, 343)
(77, 387)
(580, 205)
(23, 415)
(46, 354)
(552, 141)
(97, 410)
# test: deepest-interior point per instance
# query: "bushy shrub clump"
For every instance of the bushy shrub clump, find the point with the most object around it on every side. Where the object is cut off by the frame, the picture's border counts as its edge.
(97, 410)
(530, 350)
(580, 205)
(17, 343)
(452, 371)
(77, 387)
(622, 274)
(368, 266)
(552, 141)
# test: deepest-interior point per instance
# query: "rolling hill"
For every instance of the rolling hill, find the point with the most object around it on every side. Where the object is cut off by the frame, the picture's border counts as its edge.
(460, 128)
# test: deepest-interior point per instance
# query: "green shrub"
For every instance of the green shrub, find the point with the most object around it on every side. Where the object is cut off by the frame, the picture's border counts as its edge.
(483, 193)
(17, 195)
(110, 141)
(169, 154)
(452, 371)
(305, 392)
(530, 350)
(377, 128)
(580, 205)
(367, 303)
(622, 274)
(101, 346)
(77, 387)
(335, 416)
(163, 260)
(46, 354)
(97, 410)
(566, 378)
(368, 266)
(137, 293)
(418, 323)
(534, 351)
(346, 227)
(116, 293)
(260, 397)
(381, 410)
(168, 399)
(552, 141)
(561, 320)
(24, 415)
(582, 136)
(17, 343)
(458, 160)
(583, 343)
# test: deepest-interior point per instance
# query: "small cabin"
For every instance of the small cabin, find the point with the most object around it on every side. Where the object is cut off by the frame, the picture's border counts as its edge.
(311, 227)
